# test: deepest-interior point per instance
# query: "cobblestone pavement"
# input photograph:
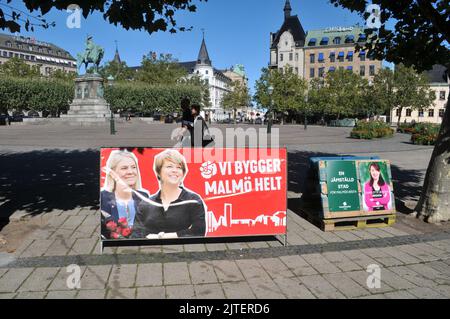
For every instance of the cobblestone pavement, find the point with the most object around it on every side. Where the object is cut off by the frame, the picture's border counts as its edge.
(414, 258)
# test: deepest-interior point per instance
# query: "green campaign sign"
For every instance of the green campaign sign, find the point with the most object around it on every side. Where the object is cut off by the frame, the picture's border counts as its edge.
(342, 184)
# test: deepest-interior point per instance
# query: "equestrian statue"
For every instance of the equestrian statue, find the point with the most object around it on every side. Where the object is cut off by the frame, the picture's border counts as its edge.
(92, 54)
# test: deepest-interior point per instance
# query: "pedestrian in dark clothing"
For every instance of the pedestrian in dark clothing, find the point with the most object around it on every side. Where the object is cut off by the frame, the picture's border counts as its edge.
(200, 135)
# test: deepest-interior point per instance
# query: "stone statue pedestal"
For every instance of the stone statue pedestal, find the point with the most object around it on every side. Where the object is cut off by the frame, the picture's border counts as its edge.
(88, 106)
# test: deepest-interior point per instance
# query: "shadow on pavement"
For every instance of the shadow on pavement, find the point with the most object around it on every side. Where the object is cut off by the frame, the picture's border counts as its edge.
(42, 181)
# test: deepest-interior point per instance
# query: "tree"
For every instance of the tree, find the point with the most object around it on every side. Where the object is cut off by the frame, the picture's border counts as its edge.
(160, 70)
(420, 38)
(119, 71)
(63, 76)
(197, 81)
(289, 90)
(149, 15)
(18, 68)
(237, 97)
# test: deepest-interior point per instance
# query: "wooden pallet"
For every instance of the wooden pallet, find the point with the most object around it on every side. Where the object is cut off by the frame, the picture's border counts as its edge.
(350, 223)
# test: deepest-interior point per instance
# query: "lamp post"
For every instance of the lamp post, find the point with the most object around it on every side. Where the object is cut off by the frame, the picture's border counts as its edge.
(306, 109)
(269, 120)
(112, 124)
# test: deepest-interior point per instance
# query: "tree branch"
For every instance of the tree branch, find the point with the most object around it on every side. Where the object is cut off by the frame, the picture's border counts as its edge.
(435, 17)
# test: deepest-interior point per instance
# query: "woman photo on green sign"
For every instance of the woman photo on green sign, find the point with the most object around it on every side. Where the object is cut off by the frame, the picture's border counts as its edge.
(377, 193)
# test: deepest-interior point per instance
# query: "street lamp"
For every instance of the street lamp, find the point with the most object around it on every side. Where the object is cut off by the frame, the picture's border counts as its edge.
(112, 124)
(269, 120)
(306, 108)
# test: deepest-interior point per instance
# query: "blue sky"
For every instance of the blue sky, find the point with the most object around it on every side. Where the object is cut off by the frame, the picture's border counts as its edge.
(237, 32)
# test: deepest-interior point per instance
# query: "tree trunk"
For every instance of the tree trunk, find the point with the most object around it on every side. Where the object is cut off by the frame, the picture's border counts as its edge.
(399, 117)
(434, 202)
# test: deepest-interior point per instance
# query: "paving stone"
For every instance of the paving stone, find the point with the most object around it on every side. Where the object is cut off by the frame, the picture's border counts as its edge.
(440, 266)
(194, 248)
(7, 295)
(265, 288)
(23, 246)
(62, 233)
(67, 294)
(329, 236)
(275, 243)
(425, 293)
(275, 268)
(346, 285)
(311, 238)
(341, 261)
(361, 277)
(122, 276)
(379, 232)
(258, 244)
(238, 290)
(57, 221)
(443, 290)
(216, 247)
(39, 280)
(394, 231)
(347, 236)
(126, 250)
(40, 234)
(298, 265)
(73, 222)
(363, 234)
(95, 277)
(410, 275)
(149, 275)
(320, 264)
(60, 281)
(151, 249)
(292, 288)
(121, 293)
(402, 294)
(37, 248)
(381, 257)
(251, 269)
(151, 293)
(202, 272)
(360, 258)
(92, 220)
(295, 239)
(321, 287)
(394, 280)
(180, 292)
(209, 291)
(375, 296)
(172, 249)
(176, 274)
(3, 271)
(431, 273)
(14, 278)
(60, 247)
(237, 246)
(31, 295)
(401, 255)
(88, 212)
(418, 253)
(83, 246)
(227, 270)
(435, 251)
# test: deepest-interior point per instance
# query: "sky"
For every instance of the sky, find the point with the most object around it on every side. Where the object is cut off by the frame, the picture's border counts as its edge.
(236, 32)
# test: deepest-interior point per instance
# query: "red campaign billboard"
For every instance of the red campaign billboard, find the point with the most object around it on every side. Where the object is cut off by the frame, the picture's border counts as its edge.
(149, 193)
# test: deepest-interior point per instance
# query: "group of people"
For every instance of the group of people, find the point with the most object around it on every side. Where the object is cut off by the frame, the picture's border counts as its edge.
(172, 212)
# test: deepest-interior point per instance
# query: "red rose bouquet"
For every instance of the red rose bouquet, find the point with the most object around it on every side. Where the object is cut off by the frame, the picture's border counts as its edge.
(119, 230)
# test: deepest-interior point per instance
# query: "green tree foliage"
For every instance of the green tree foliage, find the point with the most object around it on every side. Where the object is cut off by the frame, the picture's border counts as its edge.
(237, 97)
(289, 90)
(17, 67)
(119, 71)
(63, 76)
(197, 81)
(35, 94)
(160, 70)
(149, 15)
(141, 97)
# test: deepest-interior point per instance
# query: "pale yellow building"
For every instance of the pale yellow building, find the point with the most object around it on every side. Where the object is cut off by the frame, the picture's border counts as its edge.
(439, 83)
(47, 56)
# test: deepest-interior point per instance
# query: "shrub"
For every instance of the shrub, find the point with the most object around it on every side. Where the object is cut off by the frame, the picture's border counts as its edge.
(425, 134)
(372, 129)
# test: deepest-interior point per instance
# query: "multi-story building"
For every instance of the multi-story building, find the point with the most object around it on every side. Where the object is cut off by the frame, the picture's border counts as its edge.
(317, 52)
(236, 74)
(439, 82)
(47, 56)
(219, 83)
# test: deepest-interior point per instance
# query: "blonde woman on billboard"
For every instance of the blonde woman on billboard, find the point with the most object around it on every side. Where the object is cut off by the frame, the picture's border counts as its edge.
(173, 211)
(120, 194)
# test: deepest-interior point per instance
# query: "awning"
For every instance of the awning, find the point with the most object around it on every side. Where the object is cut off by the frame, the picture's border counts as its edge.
(312, 40)
(350, 53)
(321, 57)
(325, 40)
(350, 37)
(362, 52)
(332, 69)
(350, 68)
(341, 54)
(332, 53)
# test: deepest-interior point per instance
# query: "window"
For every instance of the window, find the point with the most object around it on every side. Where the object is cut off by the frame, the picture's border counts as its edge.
(291, 56)
(16, 55)
(8, 44)
(372, 70)
(341, 68)
(350, 56)
(362, 57)
(362, 71)
(311, 73)
(321, 59)
(442, 95)
(281, 57)
(206, 72)
(10, 54)
(420, 112)
(441, 112)
(332, 57)
(431, 113)
(337, 40)
(5, 54)
(296, 70)
(312, 58)
(321, 72)
(408, 112)
(341, 56)
(296, 57)
(397, 112)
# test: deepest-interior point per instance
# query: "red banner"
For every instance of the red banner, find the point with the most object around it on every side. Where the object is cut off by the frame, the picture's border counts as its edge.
(173, 193)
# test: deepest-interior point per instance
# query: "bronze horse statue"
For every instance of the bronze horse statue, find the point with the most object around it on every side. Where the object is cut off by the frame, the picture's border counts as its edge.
(92, 54)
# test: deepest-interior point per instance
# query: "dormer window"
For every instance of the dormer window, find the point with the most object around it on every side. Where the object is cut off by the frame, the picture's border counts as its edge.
(337, 40)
